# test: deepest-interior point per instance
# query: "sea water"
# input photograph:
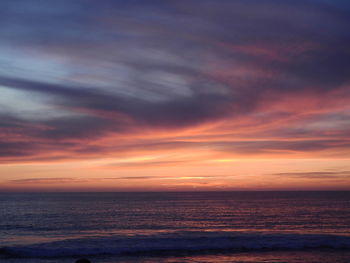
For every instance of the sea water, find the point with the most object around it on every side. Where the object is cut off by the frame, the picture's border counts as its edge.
(175, 227)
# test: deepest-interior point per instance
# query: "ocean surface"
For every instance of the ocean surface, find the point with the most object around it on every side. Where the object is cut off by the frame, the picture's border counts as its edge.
(175, 227)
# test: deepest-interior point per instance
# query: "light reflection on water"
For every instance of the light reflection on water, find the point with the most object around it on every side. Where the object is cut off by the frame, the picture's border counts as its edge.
(139, 218)
(71, 215)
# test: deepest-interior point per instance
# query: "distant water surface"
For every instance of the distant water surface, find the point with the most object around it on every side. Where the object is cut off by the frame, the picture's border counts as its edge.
(171, 227)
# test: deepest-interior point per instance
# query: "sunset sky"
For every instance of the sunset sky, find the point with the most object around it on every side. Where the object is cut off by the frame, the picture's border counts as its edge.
(164, 95)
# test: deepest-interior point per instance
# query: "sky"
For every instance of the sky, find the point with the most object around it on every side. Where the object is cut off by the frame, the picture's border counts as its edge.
(178, 95)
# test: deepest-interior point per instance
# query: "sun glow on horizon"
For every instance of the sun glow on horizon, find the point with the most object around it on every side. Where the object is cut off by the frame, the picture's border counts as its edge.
(127, 98)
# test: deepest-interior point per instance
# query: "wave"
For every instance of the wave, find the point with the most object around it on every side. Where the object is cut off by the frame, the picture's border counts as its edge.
(181, 242)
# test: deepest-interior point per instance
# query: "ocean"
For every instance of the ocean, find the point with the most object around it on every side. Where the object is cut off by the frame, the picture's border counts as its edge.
(175, 227)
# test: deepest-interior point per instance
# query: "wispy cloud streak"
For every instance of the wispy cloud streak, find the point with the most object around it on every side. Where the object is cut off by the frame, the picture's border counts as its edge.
(230, 77)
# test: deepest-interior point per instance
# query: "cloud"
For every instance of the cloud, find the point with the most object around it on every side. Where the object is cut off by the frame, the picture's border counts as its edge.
(147, 163)
(265, 146)
(161, 177)
(132, 178)
(101, 73)
(74, 180)
(341, 175)
(57, 180)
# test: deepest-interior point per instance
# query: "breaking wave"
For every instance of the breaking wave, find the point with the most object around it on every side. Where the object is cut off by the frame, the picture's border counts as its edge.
(181, 242)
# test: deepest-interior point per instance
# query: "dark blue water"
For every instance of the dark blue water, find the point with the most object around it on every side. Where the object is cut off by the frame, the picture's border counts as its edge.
(191, 226)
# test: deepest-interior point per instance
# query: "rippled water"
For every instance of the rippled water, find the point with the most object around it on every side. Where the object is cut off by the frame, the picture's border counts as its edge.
(58, 227)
